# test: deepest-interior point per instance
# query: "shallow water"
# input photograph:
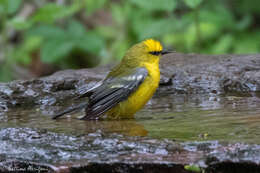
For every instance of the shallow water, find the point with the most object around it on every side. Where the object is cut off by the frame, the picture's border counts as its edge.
(230, 118)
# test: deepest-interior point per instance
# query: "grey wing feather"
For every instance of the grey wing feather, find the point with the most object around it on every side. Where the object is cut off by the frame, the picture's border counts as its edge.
(114, 90)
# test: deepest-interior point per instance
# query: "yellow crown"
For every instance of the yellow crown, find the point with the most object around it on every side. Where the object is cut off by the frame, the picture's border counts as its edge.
(153, 45)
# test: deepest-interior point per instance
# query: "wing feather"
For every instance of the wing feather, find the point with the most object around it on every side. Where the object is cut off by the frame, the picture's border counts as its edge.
(114, 90)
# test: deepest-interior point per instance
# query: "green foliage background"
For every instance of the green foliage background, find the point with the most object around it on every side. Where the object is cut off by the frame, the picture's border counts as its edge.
(82, 33)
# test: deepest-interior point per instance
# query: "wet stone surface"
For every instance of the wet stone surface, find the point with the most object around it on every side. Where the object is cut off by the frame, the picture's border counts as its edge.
(206, 113)
(194, 73)
(180, 74)
(59, 152)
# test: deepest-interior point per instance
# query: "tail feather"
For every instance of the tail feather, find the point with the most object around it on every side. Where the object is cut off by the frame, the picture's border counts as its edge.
(70, 109)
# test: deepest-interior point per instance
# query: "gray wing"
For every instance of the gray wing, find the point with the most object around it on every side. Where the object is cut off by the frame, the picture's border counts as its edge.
(114, 90)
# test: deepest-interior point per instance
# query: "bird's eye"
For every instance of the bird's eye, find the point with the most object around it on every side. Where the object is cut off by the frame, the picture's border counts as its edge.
(156, 53)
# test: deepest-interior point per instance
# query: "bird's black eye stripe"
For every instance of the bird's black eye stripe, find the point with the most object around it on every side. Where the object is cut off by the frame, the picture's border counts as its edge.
(156, 52)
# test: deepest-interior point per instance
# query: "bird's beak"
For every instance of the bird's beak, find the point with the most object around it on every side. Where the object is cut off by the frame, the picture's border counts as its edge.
(166, 52)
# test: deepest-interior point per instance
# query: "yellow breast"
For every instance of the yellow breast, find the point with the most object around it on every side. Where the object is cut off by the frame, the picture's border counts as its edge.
(140, 97)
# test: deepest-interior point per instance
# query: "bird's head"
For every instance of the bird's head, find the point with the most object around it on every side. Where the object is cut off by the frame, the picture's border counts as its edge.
(147, 51)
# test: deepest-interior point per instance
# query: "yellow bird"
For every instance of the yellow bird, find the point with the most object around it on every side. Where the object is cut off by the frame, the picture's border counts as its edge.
(128, 86)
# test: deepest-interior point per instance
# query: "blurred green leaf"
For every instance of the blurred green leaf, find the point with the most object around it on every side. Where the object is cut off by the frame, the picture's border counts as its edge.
(223, 45)
(54, 50)
(93, 5)
(247, 43)
(22, 56)
(193, 168)
(9, 6)
(32, 43)
(117, 13)
(51, 12)
(87, 41)
(13, 6)
(22, 53)
(252, 6)
(163, 5)
(60, 43)
(208, 31)
(107, 32)
(244, 23)
(225, 20)
(3, 7)
(91, 43)
(119, 48)
(19, 23)
(46, 31)
(155, 28)
(121, 13)
(76, 28)
(5, 73)
(192, 3)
